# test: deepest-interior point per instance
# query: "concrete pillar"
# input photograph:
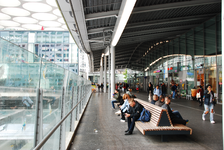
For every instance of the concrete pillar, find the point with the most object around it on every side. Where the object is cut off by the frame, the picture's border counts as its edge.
(105, 73)
(112, 70)
(101, 70)
(222, 29)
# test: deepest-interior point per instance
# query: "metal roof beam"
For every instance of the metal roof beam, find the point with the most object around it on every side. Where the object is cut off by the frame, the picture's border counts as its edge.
(99, 30)
(170, 20)
(166, 6)
(101, 15)
(158, 30)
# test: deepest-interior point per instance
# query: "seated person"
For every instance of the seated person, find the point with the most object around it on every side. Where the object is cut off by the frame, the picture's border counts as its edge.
(129, 92)
(117, 98)
(160, 102)
(173, 117)
(124, 107)
(133, 115)
(157, 92)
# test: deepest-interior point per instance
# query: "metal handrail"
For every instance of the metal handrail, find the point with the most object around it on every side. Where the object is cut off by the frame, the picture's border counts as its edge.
(55, 128)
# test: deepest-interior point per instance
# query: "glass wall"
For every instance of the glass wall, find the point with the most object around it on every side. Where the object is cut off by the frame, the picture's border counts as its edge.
(28, 116)
(54, 46)
(190, 60)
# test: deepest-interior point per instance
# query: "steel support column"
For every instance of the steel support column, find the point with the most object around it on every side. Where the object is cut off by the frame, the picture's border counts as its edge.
(62, 128)
(112, 70)
(101, 70)
(109, 70)
(105, 73)
(222, 29)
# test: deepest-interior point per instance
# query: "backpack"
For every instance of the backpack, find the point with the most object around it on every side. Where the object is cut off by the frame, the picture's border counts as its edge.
(144, 116)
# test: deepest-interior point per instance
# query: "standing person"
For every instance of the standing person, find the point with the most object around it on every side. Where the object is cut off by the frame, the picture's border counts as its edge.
(150, 90)
(173, 88)
(98, 87)
(101, 87)
(156, 94)
(137, 87)
(163, 89)
(124, 86)
(201, 91)
(209, 103)
(133, 115)
(121, 86)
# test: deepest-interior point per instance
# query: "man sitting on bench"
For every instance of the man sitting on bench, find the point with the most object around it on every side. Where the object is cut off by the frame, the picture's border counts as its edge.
(173, 117)
(133, 114)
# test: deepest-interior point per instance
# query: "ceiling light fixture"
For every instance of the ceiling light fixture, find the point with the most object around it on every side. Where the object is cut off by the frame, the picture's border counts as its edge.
(128, 7)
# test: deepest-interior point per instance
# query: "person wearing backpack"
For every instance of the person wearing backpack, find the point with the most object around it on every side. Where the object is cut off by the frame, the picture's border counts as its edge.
(133, 115)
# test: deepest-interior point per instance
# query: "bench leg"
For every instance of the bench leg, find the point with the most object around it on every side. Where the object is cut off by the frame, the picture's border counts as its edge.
(164, 138)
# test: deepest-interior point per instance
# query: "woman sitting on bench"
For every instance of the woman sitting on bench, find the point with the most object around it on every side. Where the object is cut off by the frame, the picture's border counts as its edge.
(173, 117)
(117, 98)
(124, 107)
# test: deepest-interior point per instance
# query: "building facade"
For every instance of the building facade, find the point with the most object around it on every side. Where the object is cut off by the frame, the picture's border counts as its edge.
(54, 46)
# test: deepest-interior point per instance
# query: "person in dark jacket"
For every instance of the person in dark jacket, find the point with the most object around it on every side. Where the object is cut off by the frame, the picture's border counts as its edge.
(150, 89)
(163, 89)
(173, 117)
(209, 103)
(133, 115)
(201, 91)
(102, 87)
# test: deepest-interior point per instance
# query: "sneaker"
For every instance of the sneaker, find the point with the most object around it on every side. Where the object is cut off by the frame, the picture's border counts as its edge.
(122, 120)
(212, 122)
(203, 118)
(118, 112)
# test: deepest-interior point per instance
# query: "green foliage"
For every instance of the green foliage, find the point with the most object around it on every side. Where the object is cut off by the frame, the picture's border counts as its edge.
(125, 76)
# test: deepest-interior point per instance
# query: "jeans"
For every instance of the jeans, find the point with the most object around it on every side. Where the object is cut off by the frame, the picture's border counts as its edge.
(114, 101)
(207, 108)
(177, 114)
(131, 123)
(122, 115)
(174, 93)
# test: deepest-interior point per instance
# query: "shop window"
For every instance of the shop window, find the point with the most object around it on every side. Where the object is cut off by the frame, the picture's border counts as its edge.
(58, 55)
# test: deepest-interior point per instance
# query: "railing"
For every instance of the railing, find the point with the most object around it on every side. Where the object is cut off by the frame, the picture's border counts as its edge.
(40, 103)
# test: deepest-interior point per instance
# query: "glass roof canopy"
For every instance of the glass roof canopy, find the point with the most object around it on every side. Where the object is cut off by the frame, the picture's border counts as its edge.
(31, 15)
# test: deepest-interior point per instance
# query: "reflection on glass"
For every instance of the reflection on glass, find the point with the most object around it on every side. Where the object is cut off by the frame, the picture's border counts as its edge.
(22, 73)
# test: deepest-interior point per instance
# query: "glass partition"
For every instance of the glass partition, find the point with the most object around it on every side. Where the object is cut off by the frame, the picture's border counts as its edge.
(23, 110)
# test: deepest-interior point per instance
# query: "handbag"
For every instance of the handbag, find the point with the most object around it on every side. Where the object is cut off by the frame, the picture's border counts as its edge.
(198, 95)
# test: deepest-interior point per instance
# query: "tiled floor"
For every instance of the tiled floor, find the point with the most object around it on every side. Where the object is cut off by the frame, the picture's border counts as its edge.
(101, 129)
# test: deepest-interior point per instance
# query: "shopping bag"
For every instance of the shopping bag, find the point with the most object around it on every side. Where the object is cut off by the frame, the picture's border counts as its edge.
(198, 95)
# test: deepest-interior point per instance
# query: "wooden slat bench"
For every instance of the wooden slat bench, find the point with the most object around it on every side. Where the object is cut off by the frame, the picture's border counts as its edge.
(160, 123)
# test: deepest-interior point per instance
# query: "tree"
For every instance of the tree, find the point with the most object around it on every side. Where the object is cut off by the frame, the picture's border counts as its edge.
(125, 76)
